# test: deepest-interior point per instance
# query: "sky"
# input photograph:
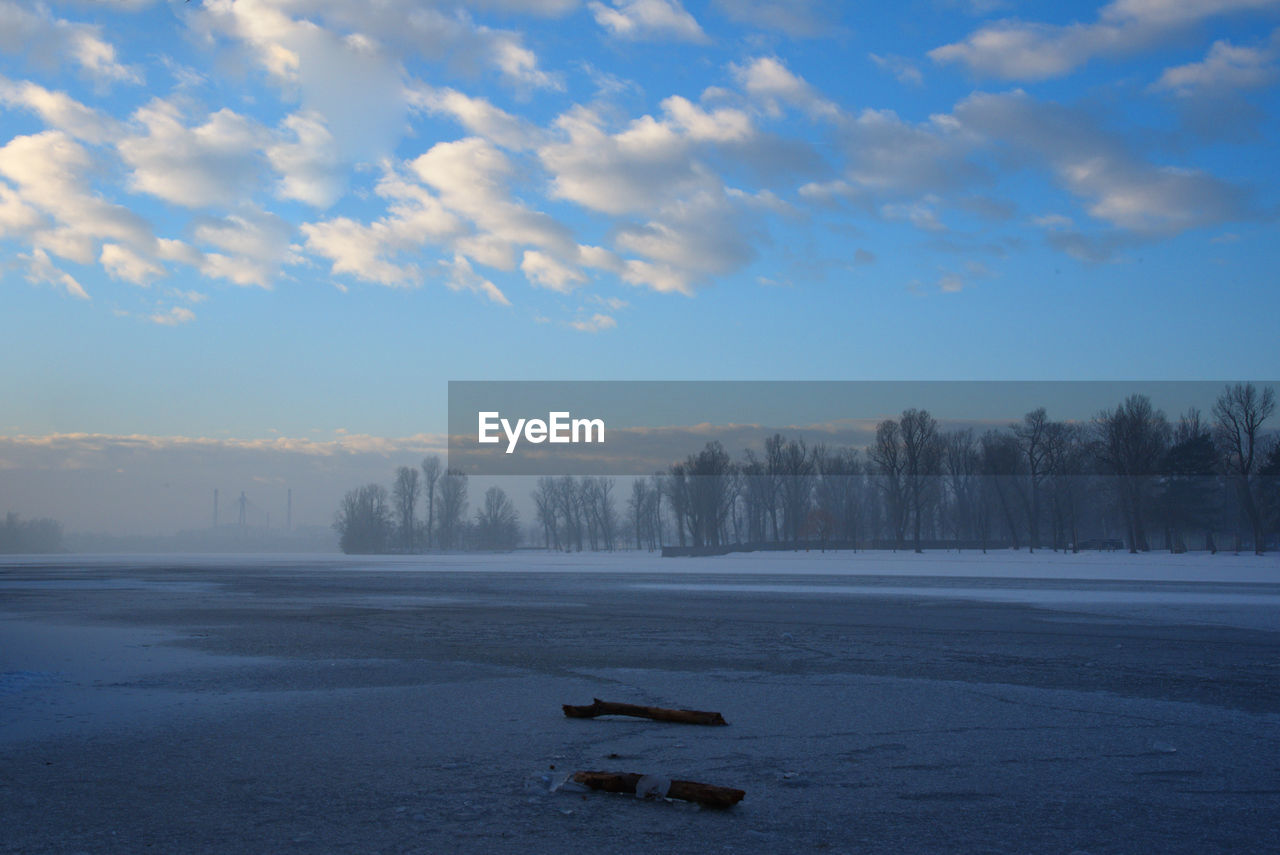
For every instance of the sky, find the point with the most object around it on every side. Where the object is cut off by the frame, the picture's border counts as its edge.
(289, 223)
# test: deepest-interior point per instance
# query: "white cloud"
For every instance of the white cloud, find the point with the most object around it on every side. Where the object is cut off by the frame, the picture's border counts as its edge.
(308, 163)
(637, 169)
(216, 163)
(254, 244)
(345, 61)
(477, 115)
(700, 235)
(50, 172)
(542, 269)
(1016, 49)
(462, 278)
(798, 18)
(120, 262)
(1225, 68)
(1117, 186)
(59, 110)
(722, 125)
(921, 214)
(548, 8)
(598, 322)
(32, 29)
(769, 81)
(16, 216)
(891, 156)
(40, 269)
(174, 316)
(648, 20)
(900, 67)
(518, 63)
(374, 252)
(471, 178)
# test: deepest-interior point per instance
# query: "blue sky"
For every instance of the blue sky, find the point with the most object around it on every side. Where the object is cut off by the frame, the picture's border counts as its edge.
(256, 219)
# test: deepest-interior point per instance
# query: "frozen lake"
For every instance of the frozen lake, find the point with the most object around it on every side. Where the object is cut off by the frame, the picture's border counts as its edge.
(877, 702)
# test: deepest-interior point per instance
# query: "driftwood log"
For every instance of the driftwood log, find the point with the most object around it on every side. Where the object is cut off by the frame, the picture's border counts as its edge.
(707, 795)
(599, 707)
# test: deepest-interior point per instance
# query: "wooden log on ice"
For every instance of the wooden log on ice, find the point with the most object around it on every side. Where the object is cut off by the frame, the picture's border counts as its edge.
(599, 707)
(707, 795)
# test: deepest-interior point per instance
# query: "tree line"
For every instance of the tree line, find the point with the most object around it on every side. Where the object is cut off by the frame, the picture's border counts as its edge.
(1130, 477)
(373, 520)
(21, 536)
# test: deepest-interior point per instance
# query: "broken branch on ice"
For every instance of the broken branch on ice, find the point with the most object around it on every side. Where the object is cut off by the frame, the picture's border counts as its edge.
(599, 707)
(707, 795)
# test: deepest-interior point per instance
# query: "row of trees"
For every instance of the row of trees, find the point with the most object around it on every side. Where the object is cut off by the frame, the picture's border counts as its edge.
(1129, 476)
(371, 519)
(1119, 477)
(21, 536)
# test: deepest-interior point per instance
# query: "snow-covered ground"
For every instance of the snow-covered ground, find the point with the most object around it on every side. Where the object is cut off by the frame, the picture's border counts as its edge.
(1044, 564)
(949, 702)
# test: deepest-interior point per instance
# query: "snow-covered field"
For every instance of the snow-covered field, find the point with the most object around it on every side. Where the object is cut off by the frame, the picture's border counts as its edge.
(1044, 564)
(878, 702)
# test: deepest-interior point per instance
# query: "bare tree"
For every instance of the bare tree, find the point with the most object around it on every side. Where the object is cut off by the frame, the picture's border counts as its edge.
(1189, 488)
(453, 508)
(891, 461)
(757, 496)
(363, 521)
(1132, 440)
(497, 523)
(771, 485)
(838, 493)
(431, 474)
(1065, 456)
(602, 518)
(922, 464)
(796, 469)
(1239, 414)
(404, 495)
(960, 464)
(570, 510)
(545, 506)
(1001, 475)
(711, 490)
(1031, 439)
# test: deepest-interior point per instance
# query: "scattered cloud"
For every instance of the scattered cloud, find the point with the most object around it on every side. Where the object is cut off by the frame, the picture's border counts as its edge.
(462, 278)
(41, 270)
(647, 20)
(32, 29)
(1014, 49)
(768, 80)
(1226, 68)
(1116, 186)
(795, 18)
(213, 164)
(594, 324)
(254, 246)
(306, 158)
(172, 317)
(120, 262)
(900, 67)
(59, 111)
